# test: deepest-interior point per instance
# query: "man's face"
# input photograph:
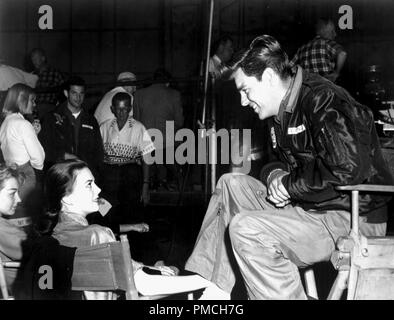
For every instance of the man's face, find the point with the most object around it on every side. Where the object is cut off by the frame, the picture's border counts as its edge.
(257, 94)
(130, 89)
(37, 59)
(75, 96)
(227, 51)
(329, 31)
(121, 110)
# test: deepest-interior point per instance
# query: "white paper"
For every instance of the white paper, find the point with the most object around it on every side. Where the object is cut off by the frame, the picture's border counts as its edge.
(104, 206)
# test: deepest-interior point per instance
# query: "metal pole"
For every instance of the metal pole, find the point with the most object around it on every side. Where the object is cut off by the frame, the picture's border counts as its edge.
(355, 212)
(205, 93)
(207, 61)
(213, 151)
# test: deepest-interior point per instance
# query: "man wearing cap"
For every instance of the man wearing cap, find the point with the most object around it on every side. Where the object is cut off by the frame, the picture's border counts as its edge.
(103, 110)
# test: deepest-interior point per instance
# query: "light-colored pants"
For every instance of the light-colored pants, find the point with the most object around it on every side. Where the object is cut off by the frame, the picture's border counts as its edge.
(267, 244)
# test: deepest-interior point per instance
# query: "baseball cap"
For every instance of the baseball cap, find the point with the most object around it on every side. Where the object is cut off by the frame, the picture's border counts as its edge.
(126, 76)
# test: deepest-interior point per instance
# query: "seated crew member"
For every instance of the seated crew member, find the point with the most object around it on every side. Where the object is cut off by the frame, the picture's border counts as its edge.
(11, 236)
(323, 139)
(125, 173)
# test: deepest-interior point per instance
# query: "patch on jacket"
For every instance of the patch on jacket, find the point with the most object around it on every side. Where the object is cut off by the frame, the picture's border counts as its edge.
(87, 126)
(295, 130)
(273, 137)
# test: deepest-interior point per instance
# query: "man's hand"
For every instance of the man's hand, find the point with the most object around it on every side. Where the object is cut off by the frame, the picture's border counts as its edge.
(277, 193)
(145, 194)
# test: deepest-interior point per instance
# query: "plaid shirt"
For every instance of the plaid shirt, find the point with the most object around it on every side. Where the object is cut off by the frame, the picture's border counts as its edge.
(317, 56)
(48, 78)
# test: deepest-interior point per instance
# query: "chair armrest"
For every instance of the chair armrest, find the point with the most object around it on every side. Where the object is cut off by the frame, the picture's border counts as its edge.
(11, 264)
(367, 187)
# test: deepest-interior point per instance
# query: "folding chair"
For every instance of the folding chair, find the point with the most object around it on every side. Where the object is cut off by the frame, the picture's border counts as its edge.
(365, 264)
(108, 267)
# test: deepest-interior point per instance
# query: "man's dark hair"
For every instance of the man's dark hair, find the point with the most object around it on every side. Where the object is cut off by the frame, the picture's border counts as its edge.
(74, 81)
(222, 40)
(120, 96)
(162, 74)
(264, 52)
(39, 51)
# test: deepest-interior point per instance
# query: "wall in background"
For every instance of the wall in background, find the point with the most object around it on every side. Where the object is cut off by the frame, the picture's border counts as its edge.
(100, 38)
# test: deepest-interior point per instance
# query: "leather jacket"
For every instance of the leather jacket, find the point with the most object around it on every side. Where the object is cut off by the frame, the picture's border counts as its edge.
(324, 138)
(58, 136)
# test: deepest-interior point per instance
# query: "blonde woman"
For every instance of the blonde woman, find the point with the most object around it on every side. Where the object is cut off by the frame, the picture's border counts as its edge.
(20, 145)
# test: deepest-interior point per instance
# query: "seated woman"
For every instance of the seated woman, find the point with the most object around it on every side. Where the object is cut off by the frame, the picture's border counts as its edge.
(71, 195)
(11, 236)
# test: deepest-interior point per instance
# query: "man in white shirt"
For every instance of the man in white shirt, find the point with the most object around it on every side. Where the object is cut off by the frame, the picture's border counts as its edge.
(125, 142)
(10, 76)
(103, 110)
(223, 51)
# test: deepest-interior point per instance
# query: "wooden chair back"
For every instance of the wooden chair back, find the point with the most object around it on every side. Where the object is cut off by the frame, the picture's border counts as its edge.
(105, 267)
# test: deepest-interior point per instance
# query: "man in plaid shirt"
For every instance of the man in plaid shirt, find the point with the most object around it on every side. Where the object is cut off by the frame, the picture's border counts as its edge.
(48, 78)
(322, 54)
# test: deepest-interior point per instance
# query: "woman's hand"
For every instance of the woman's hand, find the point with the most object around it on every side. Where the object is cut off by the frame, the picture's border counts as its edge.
(165, 271)
(138, 227)
(37, 126)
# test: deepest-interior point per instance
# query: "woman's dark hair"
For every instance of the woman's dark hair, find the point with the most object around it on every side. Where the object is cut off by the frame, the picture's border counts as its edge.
(59, 182)
(17, 98)
(263, 52)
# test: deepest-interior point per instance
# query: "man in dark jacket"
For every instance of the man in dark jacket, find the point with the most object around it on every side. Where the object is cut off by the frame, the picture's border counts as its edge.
(71, 132)
(323, 138)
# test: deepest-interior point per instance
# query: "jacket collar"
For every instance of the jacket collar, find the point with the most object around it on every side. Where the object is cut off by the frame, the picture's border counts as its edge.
(291, 97)
(72, 218)
(64, 110)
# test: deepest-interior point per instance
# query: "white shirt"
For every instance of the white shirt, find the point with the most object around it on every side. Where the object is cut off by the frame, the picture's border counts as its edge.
(19, 142)
(10, 76)
(103, 111)
(126, 145)
(214, 65)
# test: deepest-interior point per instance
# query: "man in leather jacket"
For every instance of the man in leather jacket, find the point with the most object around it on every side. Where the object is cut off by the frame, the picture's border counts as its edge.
(293, 217)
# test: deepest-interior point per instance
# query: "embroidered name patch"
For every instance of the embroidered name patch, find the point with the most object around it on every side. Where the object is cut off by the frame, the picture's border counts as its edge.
(273, 137)
(87, 126)
(296, 130)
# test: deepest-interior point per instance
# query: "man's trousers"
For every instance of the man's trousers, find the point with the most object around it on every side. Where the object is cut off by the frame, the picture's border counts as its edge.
(241, 229)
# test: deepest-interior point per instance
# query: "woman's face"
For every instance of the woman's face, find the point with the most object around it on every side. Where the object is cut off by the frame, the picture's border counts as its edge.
(31, 104)
(9, 197)
(27, 105)
(84, 197)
